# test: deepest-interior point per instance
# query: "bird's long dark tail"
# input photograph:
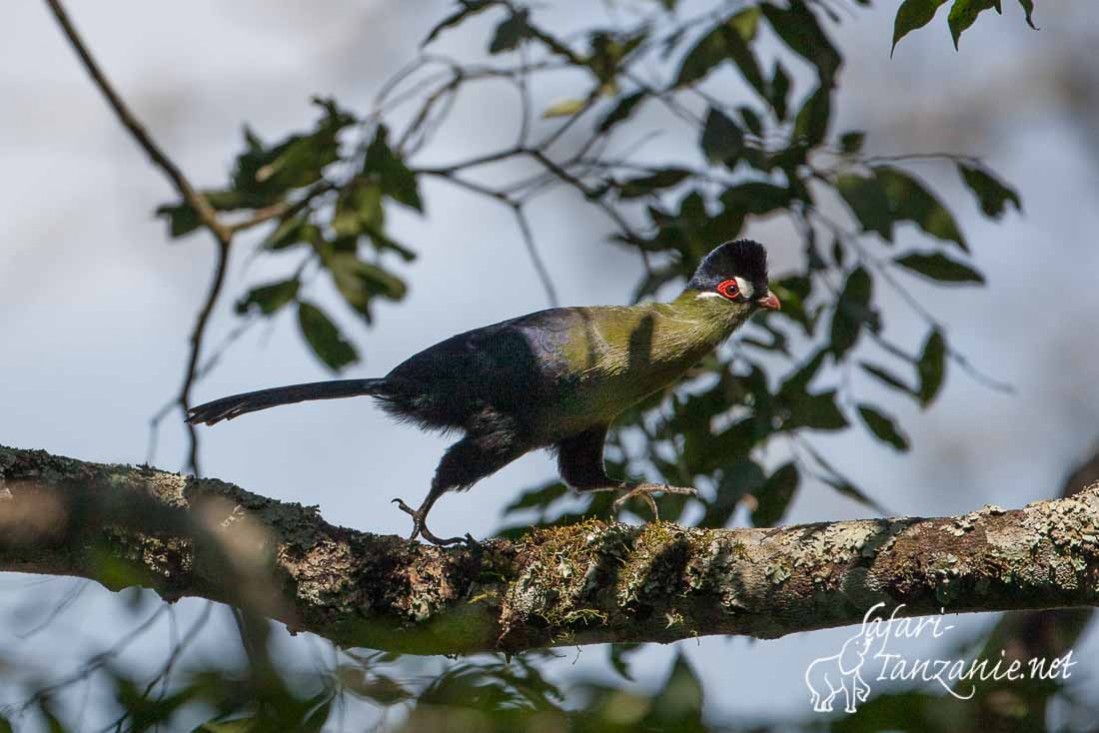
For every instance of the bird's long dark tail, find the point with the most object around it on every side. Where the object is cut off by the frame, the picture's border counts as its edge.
(229, 407)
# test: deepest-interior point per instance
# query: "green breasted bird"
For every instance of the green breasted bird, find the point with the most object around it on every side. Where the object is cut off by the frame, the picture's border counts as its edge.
(553, 379)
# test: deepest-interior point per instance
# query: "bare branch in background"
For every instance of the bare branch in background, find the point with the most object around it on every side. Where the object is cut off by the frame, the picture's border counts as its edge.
(222, 233)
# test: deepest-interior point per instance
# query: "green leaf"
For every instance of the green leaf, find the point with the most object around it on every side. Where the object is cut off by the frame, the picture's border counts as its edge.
(644, 185)
(887, 378)
(318, 716)
(910, 200)
(798, 28)
(182, 219)
(397, 181)
(360, 282)
(883, 427)
(622, 110)
(539, 497)
(913, 14)
(794, 386)
(269, 298)
(510, 32)
(852, 312)
(868, 202)
(230, 200)
(738, 479)
(937, 266)
(932, 367)
(564, 108)
(838, 252)
(1028, 8)
(323, 336)
(992, 194)
(792, 292)
(290, 232)
(851, 142)
(780, 91)
(774, 496)
(381, 283)
(817, 412)
(746, 23)
(607, 53)
(845, 488)
(722, 42)
(963, 13)
(751, 120)
(265, 174)
(756, 197)
(469, 8)
(383, 243)
(706, 453)
(737, 34)
(358, 208)
(678, 705)
(811, 123)
(53, 724)
(618, 660)
(721, 140)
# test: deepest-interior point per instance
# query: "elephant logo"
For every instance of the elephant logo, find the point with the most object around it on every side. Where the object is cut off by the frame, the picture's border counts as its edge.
(827, 677)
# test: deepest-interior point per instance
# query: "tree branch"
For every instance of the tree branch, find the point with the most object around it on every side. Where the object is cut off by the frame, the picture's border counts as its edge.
(581, 584)
(195, 199)
(223, 234)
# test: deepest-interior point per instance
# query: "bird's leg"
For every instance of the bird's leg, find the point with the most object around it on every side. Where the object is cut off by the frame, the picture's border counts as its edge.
(470, 459)
(643, 490)
(580, 460)
(646, 490)
(419, 523)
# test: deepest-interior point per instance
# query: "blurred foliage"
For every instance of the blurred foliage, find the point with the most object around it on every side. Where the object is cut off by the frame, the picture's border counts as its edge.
(375, 691)
(487, 694)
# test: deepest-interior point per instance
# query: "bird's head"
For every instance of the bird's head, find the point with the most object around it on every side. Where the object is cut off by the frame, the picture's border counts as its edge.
(736, 272)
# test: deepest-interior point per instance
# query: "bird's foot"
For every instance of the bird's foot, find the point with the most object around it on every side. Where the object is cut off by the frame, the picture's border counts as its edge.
(645, 491)
(419, 528)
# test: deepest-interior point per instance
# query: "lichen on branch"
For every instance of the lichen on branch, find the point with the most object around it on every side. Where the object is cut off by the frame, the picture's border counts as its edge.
(586, 583)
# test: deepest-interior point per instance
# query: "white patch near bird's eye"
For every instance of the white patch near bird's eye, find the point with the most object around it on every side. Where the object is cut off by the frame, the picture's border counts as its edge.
(745, 287)
(708, 294)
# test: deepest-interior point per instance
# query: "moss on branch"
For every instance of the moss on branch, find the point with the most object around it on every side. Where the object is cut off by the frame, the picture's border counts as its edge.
(586, 583)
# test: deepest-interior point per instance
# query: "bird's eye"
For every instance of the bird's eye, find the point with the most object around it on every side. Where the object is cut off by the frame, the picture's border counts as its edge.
(729, 289)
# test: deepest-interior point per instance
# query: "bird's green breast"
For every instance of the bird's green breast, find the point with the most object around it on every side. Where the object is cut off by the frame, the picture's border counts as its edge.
(616, 356)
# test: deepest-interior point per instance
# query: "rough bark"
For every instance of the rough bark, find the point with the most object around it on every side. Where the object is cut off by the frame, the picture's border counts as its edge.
(587, 583)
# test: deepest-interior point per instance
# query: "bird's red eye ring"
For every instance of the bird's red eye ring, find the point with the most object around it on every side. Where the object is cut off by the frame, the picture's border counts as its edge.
(728, 289)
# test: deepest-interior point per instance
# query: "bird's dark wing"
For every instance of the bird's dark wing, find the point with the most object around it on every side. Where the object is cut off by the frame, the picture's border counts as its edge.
(511, 366)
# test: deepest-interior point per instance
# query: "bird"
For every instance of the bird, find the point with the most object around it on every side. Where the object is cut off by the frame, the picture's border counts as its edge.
(553, 379)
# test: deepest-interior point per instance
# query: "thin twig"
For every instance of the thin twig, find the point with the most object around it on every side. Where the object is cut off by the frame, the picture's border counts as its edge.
(520, 217)
(195, 199)
(281, 210)
(206, 214)
(197, 335)
(535, 256)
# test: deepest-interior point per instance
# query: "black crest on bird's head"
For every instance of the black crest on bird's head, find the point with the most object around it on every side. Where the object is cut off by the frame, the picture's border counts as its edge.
(744, 258)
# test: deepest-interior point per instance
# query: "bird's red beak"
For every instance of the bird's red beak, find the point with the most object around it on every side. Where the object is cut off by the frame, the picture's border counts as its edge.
(770, 301)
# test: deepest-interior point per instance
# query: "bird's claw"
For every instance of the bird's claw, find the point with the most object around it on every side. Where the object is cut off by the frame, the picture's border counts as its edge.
(419, 528)
(645, 491)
